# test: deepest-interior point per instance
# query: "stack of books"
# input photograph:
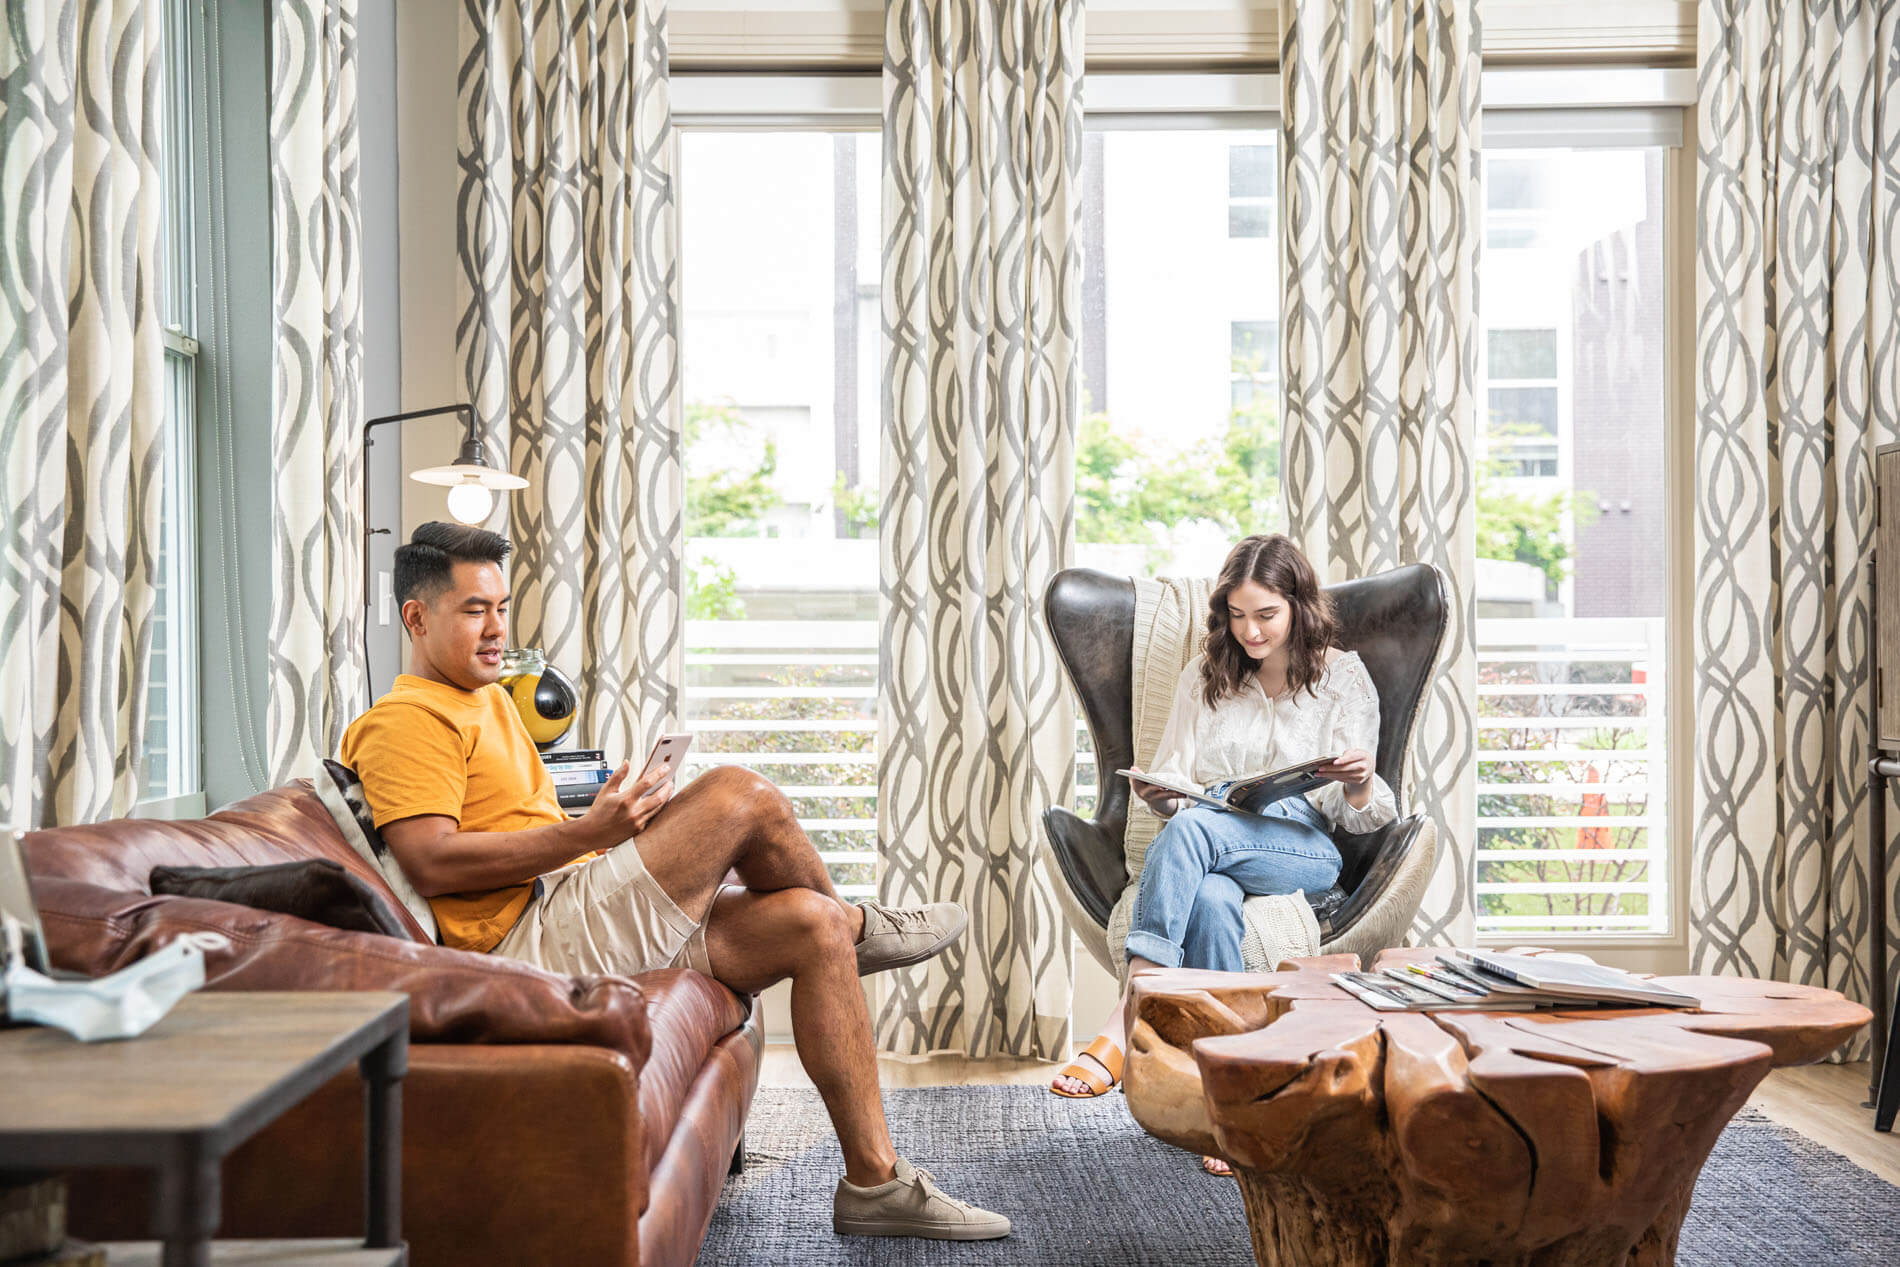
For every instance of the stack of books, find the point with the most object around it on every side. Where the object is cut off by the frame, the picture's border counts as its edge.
(578, 777)
(1490, 981)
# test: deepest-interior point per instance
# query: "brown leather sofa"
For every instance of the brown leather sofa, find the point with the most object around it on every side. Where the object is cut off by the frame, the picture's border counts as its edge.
(546, 1119)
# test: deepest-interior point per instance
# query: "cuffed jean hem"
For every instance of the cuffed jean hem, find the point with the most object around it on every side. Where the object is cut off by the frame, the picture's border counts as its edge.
(1150, 947)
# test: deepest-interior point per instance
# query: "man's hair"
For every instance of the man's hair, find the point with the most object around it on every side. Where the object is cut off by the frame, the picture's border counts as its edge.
(426, 566)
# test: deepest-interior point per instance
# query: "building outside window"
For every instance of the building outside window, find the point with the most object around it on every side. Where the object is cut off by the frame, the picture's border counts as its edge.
(1252, 177)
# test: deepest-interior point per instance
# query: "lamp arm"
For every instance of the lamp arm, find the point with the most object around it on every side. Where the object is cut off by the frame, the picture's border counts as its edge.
(467, 410)
(369, 599)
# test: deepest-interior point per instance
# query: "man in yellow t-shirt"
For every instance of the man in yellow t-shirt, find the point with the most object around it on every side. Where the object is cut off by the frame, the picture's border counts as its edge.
(467, 808)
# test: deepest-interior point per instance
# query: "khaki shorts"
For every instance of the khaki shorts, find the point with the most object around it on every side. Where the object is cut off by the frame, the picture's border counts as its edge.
(607, 915)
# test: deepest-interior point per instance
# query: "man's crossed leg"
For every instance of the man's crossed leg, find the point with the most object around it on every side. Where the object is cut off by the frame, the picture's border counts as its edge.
(783, 921)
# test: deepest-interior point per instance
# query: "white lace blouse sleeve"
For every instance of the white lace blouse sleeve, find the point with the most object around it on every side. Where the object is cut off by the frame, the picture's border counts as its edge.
(1176, 752)
(1355, 724)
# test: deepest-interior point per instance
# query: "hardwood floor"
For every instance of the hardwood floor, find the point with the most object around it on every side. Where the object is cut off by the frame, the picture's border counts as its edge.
(1822, 1102)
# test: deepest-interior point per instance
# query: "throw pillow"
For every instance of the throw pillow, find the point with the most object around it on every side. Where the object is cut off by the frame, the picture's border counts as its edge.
(342, 794)
(315, 889)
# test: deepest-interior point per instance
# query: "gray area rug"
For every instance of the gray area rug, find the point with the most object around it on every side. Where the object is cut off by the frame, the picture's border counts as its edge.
(1086, 1187)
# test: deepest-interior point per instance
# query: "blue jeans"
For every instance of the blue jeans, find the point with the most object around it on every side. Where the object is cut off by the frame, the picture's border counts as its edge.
(1204, 861)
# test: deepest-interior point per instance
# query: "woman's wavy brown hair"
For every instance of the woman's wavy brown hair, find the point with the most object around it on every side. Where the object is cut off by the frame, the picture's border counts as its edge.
(1275, 562)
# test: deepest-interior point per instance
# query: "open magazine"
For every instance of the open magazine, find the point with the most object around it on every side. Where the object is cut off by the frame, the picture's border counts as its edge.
(1250, 793)
(1490, 981)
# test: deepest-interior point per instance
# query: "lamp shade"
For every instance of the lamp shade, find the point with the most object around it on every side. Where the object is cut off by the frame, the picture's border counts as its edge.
(471, 466)
(450, 476)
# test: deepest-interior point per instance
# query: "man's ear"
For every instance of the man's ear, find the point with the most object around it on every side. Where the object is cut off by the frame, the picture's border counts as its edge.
(415, 616)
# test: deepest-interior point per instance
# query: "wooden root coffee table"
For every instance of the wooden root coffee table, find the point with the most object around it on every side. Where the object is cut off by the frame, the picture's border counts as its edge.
(1547, 1138)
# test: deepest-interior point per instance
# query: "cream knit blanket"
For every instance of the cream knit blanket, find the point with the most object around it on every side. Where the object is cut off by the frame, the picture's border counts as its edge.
(1170, 618)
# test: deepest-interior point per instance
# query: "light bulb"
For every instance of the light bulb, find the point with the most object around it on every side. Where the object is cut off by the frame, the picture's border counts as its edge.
(470, 503)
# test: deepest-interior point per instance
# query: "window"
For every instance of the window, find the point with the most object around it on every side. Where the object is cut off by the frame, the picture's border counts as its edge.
(783, 370)
(172, 766)
(1521, 354)
(1178, 453)
(1251, 173)
(1573, 773)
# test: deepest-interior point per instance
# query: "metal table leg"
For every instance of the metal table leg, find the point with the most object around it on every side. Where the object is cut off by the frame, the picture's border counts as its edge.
(186, 1205)
(382, 1071)
(1877, 771)
(1887, 1099)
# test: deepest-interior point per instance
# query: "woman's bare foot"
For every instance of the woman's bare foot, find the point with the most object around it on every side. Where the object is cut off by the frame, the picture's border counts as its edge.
(1217, 1166)
(1115, 1030)
(1077, 1087)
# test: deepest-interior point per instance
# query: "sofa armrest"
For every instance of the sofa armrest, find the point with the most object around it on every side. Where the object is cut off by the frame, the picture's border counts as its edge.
(454, 996)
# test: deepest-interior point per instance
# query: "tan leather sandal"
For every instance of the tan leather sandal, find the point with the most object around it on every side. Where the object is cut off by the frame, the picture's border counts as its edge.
(1108, 1055)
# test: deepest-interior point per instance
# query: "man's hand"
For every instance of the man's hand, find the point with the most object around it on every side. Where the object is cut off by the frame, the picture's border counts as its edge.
(1163, 802)
(624, 808)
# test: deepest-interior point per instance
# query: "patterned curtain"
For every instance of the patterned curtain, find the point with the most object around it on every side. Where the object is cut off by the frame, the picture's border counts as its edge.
(1797, 380)
(318, 678)
(982, 154)
(570, 338)
(81, 364)
(1379, 334)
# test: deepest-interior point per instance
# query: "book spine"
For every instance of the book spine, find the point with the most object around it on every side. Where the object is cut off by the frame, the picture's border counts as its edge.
(580, 756)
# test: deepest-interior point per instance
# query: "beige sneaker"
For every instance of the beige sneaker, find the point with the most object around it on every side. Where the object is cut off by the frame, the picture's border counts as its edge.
(911, 1205)
(895, 936)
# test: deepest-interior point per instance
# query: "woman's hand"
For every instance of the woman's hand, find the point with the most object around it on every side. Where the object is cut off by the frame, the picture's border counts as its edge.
(1163, 802)
(1353, 767)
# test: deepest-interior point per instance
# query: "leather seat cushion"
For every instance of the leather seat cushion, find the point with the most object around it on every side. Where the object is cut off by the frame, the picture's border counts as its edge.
(687, 1015)
(1325, 905)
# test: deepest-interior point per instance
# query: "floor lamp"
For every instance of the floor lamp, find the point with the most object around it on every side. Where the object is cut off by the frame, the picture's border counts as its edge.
(471, 480)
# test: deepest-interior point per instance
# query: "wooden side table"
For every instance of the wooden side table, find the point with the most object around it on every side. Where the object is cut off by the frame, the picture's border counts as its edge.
(219, 1068)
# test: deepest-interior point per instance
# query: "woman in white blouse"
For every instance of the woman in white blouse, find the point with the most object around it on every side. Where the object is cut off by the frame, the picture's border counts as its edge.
(1268, 690)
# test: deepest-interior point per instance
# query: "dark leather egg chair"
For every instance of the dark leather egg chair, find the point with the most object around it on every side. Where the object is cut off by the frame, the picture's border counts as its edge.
(1396, 621)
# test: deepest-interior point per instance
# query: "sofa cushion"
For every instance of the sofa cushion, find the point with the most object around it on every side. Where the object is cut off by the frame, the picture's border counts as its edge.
(342, 795)
(315, 889)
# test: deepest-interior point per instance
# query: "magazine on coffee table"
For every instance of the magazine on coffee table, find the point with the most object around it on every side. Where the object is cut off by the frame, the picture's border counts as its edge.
(1250, 792)
(1389, 991)
(1570, 978)
(1467, 980)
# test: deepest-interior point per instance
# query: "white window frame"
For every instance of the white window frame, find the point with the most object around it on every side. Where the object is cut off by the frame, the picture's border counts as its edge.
(183, 794)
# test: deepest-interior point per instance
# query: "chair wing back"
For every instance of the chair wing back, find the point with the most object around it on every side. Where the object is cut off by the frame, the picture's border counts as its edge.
(1396, 621)
(1091, 617)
